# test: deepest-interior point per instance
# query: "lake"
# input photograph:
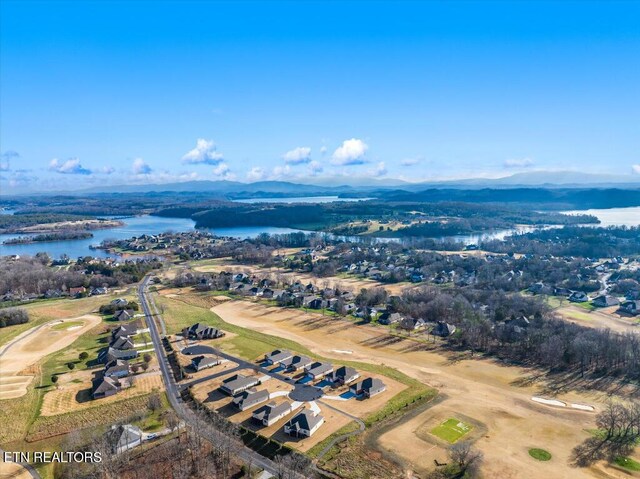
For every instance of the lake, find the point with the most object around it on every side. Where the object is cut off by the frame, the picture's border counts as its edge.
(138, 225)
(613, 216)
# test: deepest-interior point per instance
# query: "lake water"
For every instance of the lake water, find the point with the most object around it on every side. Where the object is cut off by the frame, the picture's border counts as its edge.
(138, 225)
(613, 216)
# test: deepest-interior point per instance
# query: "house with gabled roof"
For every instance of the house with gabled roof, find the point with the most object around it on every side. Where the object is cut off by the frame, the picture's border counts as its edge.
(104, 387)
(203, 362)
(122, 343)
(295, 363)
(277, 356)
(271, 413)
(344, 375)
(319, 370)
(304, 424)
(368, 387)
(117, 369)
(238, 383)
(201, 331)
(250, 398)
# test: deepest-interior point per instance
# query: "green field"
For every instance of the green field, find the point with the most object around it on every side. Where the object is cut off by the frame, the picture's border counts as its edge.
(540, 454)
(627, 463)
(66, 325)
(452, 430)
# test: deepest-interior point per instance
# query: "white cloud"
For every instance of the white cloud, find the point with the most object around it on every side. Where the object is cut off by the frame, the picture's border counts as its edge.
(204, 153)
(518, 163)
(379, 170)
(410, 161)
(323, 150)
(223, 171)
(636, 168)
(351, 152)
(315, 168)
(106, 170)
(70, 167)
(256, 174)
(5, 159)
(298, 156)
(281, 172)
(140, 167)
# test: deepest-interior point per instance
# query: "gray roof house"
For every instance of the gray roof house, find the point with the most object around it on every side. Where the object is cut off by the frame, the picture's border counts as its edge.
(250, 398)
(605, 301)
(578, 297)
(296, 362)
(368, 387)
(412, 324)
(303, 424)
(203, 362)
(270, 413)
(630, 307)
(390, 318)
(319, 370)
(105, 387)
(443, 329)
(117, 369)
(238, 383)
(124, 330)
(124, 437)
(122, 343)
(344, 375)
(123, 315)
(113, 354)
(277, 356)
(201, 331)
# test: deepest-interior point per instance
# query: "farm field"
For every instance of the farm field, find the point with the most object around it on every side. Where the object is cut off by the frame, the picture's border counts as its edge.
(480, 389)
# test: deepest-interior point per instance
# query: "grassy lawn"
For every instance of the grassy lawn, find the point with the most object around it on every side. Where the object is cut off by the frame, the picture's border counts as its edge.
(451, 430)
(540, 454)
(627, 463)
(579, 315)
(66, 325)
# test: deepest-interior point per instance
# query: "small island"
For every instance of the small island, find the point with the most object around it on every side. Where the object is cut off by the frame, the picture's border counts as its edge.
(55, 236)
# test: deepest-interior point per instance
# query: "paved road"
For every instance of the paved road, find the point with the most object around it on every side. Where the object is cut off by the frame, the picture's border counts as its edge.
(183, 411)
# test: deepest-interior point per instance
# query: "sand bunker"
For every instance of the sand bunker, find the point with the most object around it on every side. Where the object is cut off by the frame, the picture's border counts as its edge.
(341, 351)
(558, 403)
(30, 347)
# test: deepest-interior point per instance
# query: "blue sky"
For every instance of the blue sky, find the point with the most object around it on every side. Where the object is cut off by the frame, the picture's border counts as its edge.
(96, 93)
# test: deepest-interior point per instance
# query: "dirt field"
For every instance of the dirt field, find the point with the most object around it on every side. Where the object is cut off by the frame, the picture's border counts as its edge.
(347, 283)
(484, 391)
(76, 396)
(31, 346)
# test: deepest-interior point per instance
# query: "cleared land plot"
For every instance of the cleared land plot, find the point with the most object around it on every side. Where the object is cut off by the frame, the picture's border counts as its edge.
(452, 430)
(31, 347)
(77, 396)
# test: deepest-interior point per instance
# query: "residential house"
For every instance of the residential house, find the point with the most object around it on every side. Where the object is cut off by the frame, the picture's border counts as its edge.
(443, 329)
(368, 387)
(203, 362)
(201, 331)
(390, 318)
(117, 369)
(277, 356)
(122, 343)
(271, 413)
(605, 301)
(77, 292)
(413, 324)
(124, 330)
(630, 307)
(304, 424)
(124, 437)
(344, 375)
(114, 354)
(105, 386)
(319, 370)
(578, 297)
(238, 383)
(250, 398)
(296, 363)
(123, 315)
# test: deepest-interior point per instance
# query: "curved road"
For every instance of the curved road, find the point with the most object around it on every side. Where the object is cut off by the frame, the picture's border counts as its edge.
(184, 412)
